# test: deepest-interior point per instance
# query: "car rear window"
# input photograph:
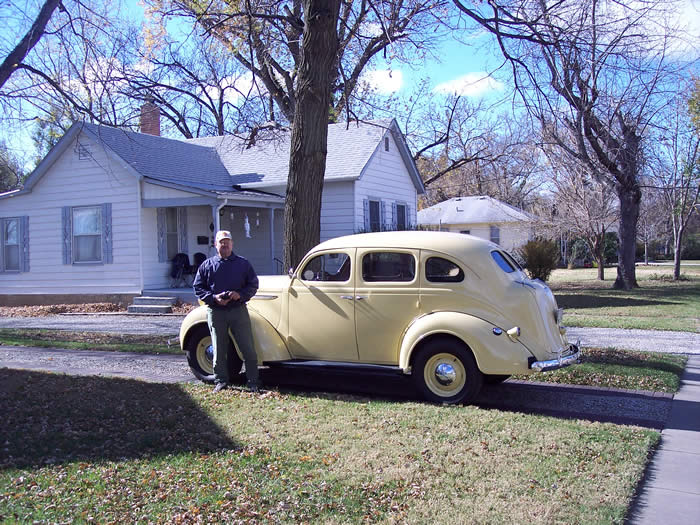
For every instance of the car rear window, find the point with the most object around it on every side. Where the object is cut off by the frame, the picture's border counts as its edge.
(502, 262)
(439, 270)
(388, 266)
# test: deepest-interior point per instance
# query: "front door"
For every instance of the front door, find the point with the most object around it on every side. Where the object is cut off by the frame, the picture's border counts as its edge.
(322, 309)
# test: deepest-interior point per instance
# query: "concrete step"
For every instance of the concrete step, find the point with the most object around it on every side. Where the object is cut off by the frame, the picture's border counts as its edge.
(154, 301)
(149, 309)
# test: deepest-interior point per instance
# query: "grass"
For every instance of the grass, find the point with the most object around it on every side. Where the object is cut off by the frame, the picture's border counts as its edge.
(658, 304)
(626, 369)
(137, 343)
(112, 450)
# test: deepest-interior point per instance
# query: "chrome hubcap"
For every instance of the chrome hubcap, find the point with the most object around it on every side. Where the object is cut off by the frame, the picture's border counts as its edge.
(205, 355)
(445, 374)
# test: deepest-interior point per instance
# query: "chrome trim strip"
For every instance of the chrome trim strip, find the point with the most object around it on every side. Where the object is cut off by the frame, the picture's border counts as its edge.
(265, 297)
(561, 361)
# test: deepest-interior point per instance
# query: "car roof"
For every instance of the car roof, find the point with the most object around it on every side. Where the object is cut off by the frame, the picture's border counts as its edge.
(457, 244)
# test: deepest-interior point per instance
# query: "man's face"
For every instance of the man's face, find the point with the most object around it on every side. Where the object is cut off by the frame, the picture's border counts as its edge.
(224, 247)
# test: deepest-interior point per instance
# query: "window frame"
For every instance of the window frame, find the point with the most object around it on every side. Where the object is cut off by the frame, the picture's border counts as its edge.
(105, 227)
(76, 236)
(20, 244)
(495, 234)
(400, 279)
(461, 275)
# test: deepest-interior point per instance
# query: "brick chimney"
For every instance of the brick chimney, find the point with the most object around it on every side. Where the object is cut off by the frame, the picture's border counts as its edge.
(150, 118)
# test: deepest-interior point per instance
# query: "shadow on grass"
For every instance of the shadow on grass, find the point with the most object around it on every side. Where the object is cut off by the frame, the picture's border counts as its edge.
(554, 400)
(616, 358)
(55, 418)
(597, 300)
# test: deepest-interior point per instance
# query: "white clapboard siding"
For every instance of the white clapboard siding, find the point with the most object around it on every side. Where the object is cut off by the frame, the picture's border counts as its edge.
(72, 181)
(385, 178)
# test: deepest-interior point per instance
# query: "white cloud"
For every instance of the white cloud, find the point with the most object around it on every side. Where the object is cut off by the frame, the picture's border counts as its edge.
(469, 85)
(385, 81)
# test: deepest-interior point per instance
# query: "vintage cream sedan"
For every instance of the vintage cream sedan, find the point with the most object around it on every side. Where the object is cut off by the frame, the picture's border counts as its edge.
(448, 309)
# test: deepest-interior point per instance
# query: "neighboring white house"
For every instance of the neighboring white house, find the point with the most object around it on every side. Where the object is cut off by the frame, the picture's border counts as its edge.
(107, 209)
(483, 217)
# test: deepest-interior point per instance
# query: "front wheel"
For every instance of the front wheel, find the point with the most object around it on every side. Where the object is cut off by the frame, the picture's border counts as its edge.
(200, 355)
(445, 372)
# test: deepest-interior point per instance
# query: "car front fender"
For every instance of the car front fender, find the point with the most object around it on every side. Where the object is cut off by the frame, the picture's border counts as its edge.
(269, 345)
(494, 351)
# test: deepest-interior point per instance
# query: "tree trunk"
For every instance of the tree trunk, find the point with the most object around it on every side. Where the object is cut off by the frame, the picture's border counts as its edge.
(309, 138)
(677, 254)
(630, 197)
(600, 258)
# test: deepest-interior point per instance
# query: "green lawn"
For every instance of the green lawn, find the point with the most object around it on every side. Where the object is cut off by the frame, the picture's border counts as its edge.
(83, 449)
(658, 304)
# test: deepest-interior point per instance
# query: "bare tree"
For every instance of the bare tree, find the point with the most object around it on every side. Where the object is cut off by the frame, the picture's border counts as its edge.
(676, 172)
(597, 70)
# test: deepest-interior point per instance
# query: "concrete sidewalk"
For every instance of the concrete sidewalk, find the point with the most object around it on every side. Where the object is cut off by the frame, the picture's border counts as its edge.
(670, 491)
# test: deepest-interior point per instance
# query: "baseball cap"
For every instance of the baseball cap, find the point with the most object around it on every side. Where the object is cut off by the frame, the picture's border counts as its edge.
(223, 234)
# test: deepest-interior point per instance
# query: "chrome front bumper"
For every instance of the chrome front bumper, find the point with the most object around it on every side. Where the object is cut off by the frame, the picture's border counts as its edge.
(570, 356)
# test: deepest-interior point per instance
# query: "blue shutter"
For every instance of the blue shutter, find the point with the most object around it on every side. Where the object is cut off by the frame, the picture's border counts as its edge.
(382, 217)
(365, 206)
(24, 243)
(394, 217)
(182, 229)
(162, 250)
(107, 233)
(67, 229)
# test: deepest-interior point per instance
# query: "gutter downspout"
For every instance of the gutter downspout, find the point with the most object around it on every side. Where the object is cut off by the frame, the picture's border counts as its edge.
(217, 220)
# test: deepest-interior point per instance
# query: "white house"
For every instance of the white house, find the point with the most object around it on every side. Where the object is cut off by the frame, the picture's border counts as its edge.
(483, 217)
(106, 210)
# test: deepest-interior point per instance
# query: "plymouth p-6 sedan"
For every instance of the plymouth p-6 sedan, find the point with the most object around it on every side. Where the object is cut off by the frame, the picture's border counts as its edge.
(450, 310)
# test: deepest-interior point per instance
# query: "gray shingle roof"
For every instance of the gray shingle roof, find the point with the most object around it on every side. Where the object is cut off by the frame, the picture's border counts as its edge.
(471, 210)
(167, 160)
(266, 163)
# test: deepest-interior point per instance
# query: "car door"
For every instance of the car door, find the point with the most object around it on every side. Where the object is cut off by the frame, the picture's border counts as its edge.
(322, 308)
(386, 301)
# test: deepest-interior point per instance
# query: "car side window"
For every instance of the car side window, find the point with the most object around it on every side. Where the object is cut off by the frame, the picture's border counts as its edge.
(502, 262)
(327, 267)
(439, 270)
(388, 266)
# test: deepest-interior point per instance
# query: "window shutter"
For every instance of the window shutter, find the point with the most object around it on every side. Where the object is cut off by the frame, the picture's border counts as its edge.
(67, 227)
(382, 217)
(394, 217)
(24, 243)
(107, 233)
(365, 206)
(162, 251)
(182, 229)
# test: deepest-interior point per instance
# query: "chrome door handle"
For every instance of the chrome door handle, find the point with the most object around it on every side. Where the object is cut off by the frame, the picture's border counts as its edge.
(350, 297)
(360, 297)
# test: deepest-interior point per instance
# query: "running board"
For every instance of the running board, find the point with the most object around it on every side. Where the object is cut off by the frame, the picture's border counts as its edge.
(335, 366)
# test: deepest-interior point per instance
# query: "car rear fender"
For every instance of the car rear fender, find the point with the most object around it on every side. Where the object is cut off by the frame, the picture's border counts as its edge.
(494, 351)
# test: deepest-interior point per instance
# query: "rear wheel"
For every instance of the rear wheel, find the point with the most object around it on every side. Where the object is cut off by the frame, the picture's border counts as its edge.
(445, 372)
(200, 356)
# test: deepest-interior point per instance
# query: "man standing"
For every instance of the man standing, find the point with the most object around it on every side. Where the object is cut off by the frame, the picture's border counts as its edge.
(225, 283)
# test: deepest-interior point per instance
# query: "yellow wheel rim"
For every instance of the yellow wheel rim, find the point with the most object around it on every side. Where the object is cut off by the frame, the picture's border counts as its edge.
(205, 355)
(444, 375)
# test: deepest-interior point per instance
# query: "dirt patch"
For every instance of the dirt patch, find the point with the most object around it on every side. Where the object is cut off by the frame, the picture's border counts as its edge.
(89, 308)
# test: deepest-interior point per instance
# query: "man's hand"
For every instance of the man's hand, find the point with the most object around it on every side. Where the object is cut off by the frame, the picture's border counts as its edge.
(224, 298)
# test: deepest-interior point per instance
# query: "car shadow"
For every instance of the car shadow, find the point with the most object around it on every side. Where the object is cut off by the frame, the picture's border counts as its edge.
(555, 400)
(56, 418)
(597, 300)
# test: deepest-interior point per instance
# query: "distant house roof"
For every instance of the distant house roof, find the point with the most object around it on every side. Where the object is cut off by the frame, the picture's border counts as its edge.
(230, 164)
(472, 210)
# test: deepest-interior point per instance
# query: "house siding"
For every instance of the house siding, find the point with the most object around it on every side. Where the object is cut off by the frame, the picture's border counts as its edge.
(513, 236)
(75, 182)
(386, 179)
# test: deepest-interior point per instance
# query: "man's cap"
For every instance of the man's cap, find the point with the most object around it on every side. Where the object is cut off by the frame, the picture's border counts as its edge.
(223, 234)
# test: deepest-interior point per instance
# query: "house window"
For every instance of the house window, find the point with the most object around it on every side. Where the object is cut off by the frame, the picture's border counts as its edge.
(386, 143)
(401, 221)
(172, 232)
(466, 232)
(83, 152)
(87, 234)
(10, 245)
(375, 224)
(495, 235)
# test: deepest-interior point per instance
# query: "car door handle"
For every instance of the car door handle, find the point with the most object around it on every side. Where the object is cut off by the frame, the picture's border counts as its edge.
(350, 297)
(359, 297)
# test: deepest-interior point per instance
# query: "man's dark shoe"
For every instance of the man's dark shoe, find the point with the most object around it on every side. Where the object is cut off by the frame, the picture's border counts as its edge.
(255, 388)
(220, 386)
